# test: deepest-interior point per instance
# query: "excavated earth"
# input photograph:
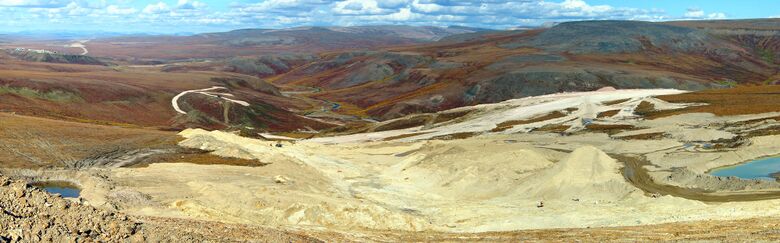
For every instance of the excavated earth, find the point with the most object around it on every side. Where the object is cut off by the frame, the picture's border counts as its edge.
(32, 215)
(502, 172)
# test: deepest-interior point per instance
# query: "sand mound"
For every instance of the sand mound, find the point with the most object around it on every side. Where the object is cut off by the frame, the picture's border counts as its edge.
(230, 145)
(208, 143)
(470, 172)
(587, 173)
(608, 88)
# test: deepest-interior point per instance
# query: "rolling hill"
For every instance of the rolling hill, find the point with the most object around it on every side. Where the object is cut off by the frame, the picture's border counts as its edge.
(574, 56)
(397, 133)
(141, 96)
(247, 42)
(293, 77)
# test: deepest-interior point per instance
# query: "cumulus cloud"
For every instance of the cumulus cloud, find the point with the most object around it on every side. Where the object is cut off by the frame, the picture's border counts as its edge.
(695, 13)
(360, 7)
(716, 16)
(156, 8)
(116, 10)
(183, 14)
(189, 4)
(33, 3)
(285, 7)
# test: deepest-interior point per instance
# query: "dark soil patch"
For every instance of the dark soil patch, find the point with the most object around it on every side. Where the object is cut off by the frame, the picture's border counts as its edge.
(644, 108)
(615, 102)
(746, 122)
(299, 135)
(404, 136)
(350, 128)
(607, 114)
(445, 117)
(764, 132)
(200, 157)
(460, 135)
(509, 124)
(645, 136)
(404, 123)
(726, 102)
(609, 128)
(554, 128)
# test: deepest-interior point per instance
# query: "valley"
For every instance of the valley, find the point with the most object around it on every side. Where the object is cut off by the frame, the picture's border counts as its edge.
(586, 130)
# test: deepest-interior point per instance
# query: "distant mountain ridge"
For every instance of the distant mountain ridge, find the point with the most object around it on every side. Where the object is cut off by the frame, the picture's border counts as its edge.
(53, 57)
(487, 67)
(389, 71)
(244, 42)
(423, 33)
(384, 72)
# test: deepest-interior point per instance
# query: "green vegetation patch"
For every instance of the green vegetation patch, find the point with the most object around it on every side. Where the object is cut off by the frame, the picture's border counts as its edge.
(767, 55)
(52, 95)
(727, 83)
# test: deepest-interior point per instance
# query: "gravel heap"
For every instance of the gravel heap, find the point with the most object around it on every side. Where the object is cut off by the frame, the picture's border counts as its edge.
(30, 214)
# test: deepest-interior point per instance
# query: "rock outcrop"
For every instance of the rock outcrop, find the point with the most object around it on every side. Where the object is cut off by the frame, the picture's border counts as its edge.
(32, 215)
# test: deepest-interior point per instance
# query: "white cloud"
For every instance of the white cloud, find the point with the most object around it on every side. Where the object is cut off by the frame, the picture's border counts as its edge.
(212, 21)
(583, 6)
(392, 4)
(190, 14)
(293, 7)
(716, 16)
(190, 4)
(695, 13)
(156, 8)
(359, 7)
(115, 10)
(33, 3)
(485, 13)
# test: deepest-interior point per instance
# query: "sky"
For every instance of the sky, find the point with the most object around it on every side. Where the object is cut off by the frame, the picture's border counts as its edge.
(196, 16)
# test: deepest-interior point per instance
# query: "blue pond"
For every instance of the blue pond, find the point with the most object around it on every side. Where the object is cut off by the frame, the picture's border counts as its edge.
(62, 188)
(757, 169)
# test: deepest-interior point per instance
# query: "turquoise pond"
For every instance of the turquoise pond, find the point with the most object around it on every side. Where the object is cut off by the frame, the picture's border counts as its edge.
(64, 189)
(757, 169)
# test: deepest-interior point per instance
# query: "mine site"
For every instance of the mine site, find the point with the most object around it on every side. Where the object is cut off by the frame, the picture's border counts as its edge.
(416, 121)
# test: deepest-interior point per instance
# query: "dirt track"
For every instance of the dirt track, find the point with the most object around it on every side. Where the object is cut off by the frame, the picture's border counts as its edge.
(635, 173)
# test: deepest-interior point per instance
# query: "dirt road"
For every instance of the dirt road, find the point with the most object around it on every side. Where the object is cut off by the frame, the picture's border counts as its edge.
(635, 173)
(175, 100)
(80, 44)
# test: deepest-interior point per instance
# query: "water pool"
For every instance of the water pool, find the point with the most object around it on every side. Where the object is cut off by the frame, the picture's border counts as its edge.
(757, 169)
(64, 189)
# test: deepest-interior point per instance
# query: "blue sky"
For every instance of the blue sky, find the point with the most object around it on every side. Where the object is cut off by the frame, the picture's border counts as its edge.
(172, 16)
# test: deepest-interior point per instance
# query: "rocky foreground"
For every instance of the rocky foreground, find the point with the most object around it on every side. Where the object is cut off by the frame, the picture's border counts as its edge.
(32, 215)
